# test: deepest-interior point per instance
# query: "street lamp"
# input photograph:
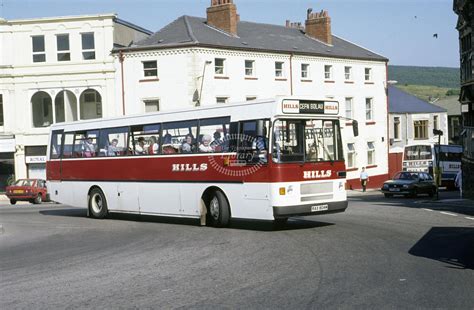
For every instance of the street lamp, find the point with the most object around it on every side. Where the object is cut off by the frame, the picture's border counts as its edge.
(438, 133)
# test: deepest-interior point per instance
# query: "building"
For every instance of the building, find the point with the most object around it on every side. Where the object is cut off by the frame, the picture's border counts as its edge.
(451, 104)
(412, 120)
(54, 70)
(201, 61)
(465, 25)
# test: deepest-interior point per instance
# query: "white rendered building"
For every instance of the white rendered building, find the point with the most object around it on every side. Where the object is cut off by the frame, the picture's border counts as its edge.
(54, 70)
(201, 61)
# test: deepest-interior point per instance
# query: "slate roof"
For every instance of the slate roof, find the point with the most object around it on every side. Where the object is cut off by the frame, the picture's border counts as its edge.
(194, 31)
(403, 102)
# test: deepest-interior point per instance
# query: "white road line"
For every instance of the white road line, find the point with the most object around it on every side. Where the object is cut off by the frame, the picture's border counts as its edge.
(447, 213)
(469, 218)
(427, 209)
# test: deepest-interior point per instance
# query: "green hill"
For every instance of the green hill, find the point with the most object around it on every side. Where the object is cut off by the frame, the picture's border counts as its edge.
(430, 76)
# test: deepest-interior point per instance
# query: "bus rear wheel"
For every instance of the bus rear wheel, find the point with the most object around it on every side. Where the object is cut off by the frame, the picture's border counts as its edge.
(97, 204)
(218, 210)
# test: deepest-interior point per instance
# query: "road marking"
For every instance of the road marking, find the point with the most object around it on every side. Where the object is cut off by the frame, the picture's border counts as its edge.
(427, 209)
(469, 218)
(447, 213)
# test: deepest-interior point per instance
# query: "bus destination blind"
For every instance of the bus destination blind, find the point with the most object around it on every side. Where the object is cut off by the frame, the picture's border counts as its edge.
(310, 107)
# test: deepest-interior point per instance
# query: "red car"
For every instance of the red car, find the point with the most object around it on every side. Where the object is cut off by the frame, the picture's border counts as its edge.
(32, 190)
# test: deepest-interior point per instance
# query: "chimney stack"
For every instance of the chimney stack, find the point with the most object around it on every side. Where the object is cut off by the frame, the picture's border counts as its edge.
(318, 26)
(222, 14)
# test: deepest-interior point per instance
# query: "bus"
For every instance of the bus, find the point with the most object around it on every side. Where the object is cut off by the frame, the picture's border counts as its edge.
(264, 160)
(425, 157)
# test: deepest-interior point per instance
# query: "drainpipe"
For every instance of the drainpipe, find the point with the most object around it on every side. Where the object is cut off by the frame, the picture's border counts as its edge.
(291, 74)
(121, 59)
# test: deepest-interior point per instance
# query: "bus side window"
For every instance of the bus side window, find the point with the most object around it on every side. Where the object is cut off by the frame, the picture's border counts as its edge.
(145, 140)
(213, 135)
(181, 137)
(68, 145)
(56, 140)
(113, 142)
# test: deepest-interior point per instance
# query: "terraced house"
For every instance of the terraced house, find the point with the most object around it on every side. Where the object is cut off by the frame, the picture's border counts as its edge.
(219, 59)
(54, 70)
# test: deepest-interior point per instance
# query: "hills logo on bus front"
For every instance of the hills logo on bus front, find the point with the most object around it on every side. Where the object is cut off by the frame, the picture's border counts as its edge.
(317, 174)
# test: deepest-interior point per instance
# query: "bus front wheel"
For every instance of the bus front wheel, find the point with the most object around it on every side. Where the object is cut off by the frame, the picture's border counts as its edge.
(97, 204)
(218, 210)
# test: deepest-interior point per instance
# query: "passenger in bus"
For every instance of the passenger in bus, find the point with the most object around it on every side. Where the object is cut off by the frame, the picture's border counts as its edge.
(153, 146)
(112, 149)
(205, 146)
(217, 143)
(187, 146)
(140, 148)
(167, 138)
(88, 147)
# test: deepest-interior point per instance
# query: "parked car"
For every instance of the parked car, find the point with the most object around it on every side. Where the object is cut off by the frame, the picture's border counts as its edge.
(410, 184)
(32, 190)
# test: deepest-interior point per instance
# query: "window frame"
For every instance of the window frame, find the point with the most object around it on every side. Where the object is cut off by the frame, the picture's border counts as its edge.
(420, 129)
(88, 50)
(251, 68)
(63, 51)
(351, 153)
(397, 122)
(305, 71)
(328, 72)
(38, 53)
(151, 100)
(371, 153)
(351, 110)
(151, 69)
(219, 98)
(219, 70)
(368, 74)
(369, 112)
(280, 72)
(348, 75)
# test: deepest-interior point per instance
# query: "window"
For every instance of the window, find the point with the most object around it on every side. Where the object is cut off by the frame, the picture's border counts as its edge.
(68, 145)
(368, 74)
(145, 139)
(279, 69)
(370, 153)
(113, 142)
(327, 72)
(180, 137)
(221, 99)
(56, 140)
(435, 122)
(213, 135)
(152, 105)
(62, 42)
(368, 109)
(421, 129)
(252, 141)
(42, 108)
(249, 68)
(88, 46)
(305, 71)
(1, 110)
(39, 52)
(250, 98)
(349, 108)
(351, 155)
(150, 69)
(85, 143)
(219, 66)
(348, 73)
(396, 128)
(90, 104)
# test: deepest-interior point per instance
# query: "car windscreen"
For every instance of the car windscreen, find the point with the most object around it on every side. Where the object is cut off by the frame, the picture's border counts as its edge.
(403, 176)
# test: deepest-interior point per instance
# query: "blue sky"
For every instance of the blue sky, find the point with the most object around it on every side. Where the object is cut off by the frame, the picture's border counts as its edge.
(401, 30)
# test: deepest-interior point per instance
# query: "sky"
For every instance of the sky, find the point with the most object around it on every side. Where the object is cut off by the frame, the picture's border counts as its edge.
(401, 30)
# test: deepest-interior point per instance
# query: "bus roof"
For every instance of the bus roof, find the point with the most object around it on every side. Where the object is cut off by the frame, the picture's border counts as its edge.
(257, 109)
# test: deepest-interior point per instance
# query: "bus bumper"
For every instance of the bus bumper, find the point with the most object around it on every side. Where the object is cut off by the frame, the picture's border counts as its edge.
(311, 209)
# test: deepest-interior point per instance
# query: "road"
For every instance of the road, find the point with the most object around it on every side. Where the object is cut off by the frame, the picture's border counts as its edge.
(380, 253)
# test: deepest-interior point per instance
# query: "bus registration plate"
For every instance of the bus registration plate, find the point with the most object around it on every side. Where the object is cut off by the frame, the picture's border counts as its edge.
(319, 208)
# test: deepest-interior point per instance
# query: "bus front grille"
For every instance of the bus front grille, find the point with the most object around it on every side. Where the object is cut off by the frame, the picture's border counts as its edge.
(316, 191)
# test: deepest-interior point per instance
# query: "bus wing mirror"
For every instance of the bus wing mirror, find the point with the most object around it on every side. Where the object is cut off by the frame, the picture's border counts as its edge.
(355, 128)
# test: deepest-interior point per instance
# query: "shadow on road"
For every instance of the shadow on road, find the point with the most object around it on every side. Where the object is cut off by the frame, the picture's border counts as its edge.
(451, 245)
(292, 224)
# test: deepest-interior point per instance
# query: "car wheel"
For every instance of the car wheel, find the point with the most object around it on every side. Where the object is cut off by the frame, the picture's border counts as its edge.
(388, 195)
(97, 204)
(13, 201)
(38, 199)
(218, 210)
(432, 192)
(415, 193)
